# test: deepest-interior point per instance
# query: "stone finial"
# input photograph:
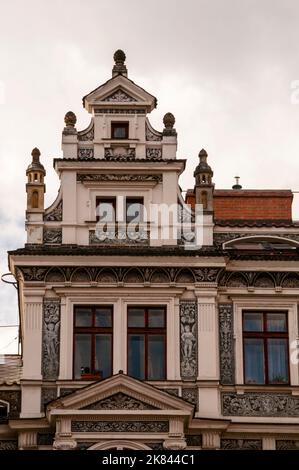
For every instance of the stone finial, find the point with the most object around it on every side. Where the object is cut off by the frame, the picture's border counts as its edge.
(70, 119)
(169, 121)
(119, 67)
(237, 184)
(203, 166)
(35, 155)
(119, 57)
(35, 165)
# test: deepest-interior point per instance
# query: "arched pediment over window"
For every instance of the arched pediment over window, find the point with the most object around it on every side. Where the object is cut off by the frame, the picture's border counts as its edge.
(261, 242)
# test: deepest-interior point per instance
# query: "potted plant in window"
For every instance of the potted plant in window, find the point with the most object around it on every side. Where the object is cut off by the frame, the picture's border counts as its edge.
(87, 375)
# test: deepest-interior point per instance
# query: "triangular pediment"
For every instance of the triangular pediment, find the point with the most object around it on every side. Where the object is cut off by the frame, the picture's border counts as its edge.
(120, 392)
(119, 91)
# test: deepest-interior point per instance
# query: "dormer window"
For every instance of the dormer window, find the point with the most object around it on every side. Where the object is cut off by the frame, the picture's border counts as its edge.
(119, 130)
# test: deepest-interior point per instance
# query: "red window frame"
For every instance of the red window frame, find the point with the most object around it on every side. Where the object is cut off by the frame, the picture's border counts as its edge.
(146, 331)
(265, 334)
(93, 331)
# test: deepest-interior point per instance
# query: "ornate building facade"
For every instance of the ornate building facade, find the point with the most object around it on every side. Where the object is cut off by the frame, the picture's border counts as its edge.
(136, 341)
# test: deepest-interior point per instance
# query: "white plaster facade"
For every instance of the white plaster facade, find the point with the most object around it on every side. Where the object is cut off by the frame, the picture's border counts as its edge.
(62, 266)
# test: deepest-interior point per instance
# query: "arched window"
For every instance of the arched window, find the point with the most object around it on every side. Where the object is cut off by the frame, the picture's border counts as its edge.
(34, 201)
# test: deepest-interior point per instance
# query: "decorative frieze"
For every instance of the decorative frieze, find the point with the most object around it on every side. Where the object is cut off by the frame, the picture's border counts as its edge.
(194, 440)
(119, 236)
(85, 154)
(119, 111)
(190, 395)
(119, 401)
(120, 154)
(241, 444)
(8, 444)
(51, 339)
(189, 343)
(226, 344)
(260, 404)
(154, 153)
(85, 136)
(108, 177)
(151, 135)
(159, 274)
(52, 236)
(120, 426)
(13, 397)
(287, 444)
(48, 394)
(55, 215)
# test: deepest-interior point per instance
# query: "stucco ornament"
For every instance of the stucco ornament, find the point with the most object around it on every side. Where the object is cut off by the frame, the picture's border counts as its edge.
(51, 332)
(188, 324)
(260, 404)
(55, 214)
(226, 344)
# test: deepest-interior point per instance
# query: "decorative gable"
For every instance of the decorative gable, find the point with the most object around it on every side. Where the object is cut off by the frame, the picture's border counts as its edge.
(119, 401)
(119, 96)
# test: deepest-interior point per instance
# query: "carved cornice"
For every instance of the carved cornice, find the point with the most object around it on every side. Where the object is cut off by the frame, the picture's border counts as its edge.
(157, 178)
(139, 274)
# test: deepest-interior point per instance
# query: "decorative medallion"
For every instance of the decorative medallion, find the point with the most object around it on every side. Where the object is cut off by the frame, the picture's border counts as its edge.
(154, 154)
(85, 154)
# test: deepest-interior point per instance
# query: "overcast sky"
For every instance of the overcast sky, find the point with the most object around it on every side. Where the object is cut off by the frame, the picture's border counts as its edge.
(224, 68)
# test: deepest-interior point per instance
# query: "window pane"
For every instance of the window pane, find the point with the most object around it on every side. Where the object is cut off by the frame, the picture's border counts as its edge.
(253, 321)
(83, 317)
(105, 210)
(134, 210)
(156, 357)
(136, 356)
(254, 361)
(156, 318)
(136, 317)
(120, 132)
(82, 355)
(278, 360)
(276, 322)
(103, 317)
(103, 355)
